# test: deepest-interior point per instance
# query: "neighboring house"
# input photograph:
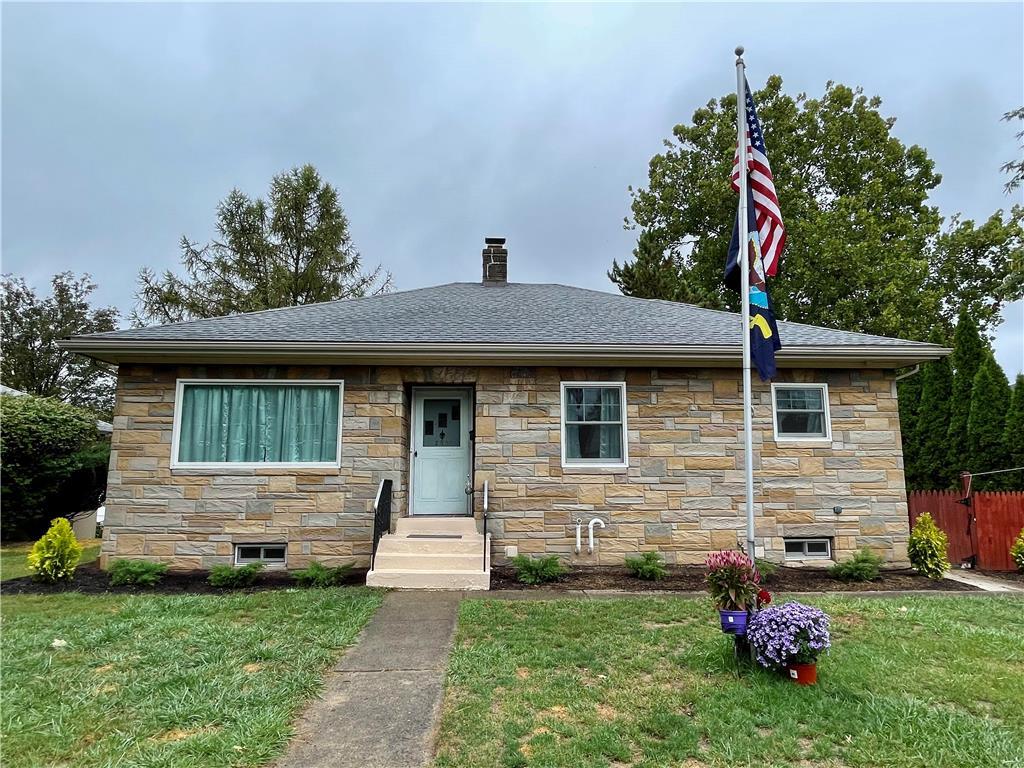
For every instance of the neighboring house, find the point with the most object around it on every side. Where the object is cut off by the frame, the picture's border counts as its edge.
(267, 436)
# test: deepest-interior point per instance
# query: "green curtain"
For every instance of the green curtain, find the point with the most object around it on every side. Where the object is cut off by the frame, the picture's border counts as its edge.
(258, 423)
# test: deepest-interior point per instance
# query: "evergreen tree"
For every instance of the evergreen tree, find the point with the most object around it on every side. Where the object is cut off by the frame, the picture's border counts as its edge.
(986, 424)
(1013, 435)
(908, 392)
(969, 351)
(292, 248)
(933, 471)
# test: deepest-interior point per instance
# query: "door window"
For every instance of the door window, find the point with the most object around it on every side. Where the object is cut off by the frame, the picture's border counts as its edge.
(442, 423)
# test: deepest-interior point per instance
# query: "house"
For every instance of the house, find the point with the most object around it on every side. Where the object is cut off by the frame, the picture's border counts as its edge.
(275, 436)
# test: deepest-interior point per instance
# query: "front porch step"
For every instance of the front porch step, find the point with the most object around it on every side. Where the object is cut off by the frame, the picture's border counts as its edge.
(432, 553)
(435, 526)
(429, 561)
(429, 579)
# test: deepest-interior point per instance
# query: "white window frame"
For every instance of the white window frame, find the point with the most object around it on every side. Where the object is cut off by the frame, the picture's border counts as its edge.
(805, 555)
(827, 437)
(595, 463)
(239, 561)
(179, 391)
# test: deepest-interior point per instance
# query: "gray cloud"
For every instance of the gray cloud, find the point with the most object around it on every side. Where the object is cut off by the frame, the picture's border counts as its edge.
(123, 125)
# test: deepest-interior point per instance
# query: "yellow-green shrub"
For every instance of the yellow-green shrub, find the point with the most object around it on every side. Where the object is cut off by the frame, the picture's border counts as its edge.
(1017, 551)
(55, 556)
(927, 548)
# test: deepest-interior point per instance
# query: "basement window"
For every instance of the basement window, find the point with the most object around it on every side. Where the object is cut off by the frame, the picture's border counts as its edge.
(808, 549)
(268, 554)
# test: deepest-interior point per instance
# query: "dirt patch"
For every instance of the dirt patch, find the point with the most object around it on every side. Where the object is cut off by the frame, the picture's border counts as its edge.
(522, 673)
(557, 712)
(179, 734)
(89, 579)
(252, 668)
(691, 579)
(606, 712)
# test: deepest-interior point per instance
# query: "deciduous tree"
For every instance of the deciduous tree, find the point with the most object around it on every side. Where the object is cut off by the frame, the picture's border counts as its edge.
(32, 361)
(865, 250)
(293, 248)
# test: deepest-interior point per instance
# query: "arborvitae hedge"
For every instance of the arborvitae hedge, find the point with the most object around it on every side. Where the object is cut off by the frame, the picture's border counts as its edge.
(968, 353)
(986, 423)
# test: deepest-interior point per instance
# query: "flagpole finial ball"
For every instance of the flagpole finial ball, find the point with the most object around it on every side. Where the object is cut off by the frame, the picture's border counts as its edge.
(739, 50)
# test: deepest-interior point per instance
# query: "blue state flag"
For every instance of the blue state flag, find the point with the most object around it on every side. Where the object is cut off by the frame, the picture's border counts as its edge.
(764, 332)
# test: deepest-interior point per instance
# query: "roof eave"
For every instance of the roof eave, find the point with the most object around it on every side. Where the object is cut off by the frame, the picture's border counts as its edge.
(118, 351)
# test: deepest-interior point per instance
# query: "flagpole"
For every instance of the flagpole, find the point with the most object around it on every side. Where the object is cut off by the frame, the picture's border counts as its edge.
(744, 256)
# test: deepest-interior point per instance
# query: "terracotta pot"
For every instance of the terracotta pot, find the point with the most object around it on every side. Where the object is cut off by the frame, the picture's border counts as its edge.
(802, 674)
(734, 622)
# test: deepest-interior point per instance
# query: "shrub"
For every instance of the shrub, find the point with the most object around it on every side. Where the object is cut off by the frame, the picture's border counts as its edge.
(54, 463)
(139, 573)
(927, 548)
(767, 569)
(732, 580)
(864, 566)
(1017, 551)
(792, 633)
(650, 566)
(230, 577)
(540, 570)
(319, 575)
(55, 556)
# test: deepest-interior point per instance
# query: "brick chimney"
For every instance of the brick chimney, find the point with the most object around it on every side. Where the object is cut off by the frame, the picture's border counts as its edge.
(495, 257)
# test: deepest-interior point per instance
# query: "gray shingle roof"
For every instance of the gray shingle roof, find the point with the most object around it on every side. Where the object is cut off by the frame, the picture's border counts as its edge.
(517, 313)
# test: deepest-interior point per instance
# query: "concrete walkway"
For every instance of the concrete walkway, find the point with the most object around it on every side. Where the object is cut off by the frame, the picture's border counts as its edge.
(984, 583)
(381, 703)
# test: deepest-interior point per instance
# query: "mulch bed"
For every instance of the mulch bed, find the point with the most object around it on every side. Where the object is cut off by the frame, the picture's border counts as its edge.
(90, 580)
(691, 579)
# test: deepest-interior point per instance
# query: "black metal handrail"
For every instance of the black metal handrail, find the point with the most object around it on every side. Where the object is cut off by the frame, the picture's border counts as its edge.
(486, 503)
(381, 514)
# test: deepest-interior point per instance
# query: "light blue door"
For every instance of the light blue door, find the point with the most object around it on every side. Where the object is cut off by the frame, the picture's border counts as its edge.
(441, 451)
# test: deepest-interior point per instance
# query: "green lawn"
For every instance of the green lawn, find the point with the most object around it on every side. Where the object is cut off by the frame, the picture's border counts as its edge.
(160, 680)
(925, 681)
(12, 557)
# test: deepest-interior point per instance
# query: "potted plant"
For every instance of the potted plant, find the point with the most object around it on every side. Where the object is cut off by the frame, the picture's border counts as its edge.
(734, 584)
(789, 638)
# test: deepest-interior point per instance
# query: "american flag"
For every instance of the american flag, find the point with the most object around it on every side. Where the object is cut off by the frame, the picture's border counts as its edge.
(771, 232)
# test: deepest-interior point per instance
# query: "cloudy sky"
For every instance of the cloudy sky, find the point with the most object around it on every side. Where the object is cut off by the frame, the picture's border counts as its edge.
(123, 125)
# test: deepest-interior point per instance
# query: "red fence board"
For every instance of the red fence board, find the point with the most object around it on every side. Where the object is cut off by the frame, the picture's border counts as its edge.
(985, 529)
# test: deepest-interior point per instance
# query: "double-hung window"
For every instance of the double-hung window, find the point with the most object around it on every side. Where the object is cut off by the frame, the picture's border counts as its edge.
(594, 424)
(801, 412)
(232, 423)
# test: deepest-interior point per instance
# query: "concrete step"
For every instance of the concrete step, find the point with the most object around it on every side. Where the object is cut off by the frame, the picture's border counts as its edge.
(435, 525)
(429, 579)
(466, 545)
(428, 561)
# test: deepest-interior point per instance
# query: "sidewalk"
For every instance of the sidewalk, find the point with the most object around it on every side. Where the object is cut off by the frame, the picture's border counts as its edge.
(985, 583)
(380, 704)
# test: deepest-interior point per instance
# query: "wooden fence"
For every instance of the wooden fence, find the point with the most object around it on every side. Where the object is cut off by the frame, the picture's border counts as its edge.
(982, 530)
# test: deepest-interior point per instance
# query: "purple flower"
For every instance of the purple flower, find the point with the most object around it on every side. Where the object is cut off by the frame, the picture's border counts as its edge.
(792, 633)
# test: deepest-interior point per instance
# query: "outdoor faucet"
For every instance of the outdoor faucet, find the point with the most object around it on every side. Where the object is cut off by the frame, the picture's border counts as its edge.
(591, 528)
(579, 526)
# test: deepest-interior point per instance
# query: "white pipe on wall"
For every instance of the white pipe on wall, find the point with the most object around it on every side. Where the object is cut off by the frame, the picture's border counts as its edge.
(579, 526)
(591, 531)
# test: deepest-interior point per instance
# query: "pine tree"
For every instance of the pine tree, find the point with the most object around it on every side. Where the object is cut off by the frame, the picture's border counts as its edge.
(930, 434)
(1013, 435)
(986, 424)
(968, 353)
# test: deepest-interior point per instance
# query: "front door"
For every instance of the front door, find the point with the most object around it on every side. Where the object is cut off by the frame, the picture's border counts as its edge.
(441, 451)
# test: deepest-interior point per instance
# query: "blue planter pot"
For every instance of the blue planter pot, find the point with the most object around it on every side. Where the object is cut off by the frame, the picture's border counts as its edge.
(734, 622)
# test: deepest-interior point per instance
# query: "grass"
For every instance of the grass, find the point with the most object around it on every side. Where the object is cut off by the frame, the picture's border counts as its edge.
(163, 680)
(910, 682)
(12, 557)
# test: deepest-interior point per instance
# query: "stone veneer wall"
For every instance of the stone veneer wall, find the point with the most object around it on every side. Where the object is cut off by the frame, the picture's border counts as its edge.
(681, 495)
